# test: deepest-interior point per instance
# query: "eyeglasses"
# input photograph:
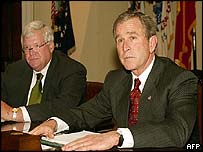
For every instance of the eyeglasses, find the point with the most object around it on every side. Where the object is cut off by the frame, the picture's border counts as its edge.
(36, 47)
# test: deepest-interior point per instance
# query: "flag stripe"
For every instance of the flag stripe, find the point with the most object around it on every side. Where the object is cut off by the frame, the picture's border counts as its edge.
(53, 10)
(186, 20)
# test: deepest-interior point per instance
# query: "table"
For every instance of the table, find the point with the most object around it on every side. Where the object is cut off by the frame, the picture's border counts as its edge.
(16, 140)
(13, 137)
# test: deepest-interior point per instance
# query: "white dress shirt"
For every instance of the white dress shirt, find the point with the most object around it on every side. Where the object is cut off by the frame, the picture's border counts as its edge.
(26, 116)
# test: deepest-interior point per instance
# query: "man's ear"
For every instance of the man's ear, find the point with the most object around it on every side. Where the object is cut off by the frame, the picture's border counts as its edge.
(153, 43)
(51, 46)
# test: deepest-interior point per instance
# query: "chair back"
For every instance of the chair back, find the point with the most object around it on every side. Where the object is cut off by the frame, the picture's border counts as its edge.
(92, 89)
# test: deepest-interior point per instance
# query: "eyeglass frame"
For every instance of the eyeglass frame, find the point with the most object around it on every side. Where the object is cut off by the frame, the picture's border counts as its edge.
(37, 46)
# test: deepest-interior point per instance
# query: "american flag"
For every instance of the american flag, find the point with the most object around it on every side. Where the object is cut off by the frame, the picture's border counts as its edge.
(165, 13)
(53, 10)
(62, 25)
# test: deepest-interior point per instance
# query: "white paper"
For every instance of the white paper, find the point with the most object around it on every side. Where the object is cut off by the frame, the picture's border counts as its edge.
(67, 138)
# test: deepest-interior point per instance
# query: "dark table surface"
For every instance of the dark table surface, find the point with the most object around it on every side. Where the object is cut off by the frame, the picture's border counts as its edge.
(18, 140)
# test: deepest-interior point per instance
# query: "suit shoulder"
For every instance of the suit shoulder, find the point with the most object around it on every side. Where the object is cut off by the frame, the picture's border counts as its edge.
(17, 66)
(117, 75)
(64, 59)
(16, 70)
(168, 65)
(172, 70)
(64, 64)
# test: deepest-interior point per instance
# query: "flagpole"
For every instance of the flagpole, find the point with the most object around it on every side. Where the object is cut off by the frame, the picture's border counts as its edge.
(194, 49)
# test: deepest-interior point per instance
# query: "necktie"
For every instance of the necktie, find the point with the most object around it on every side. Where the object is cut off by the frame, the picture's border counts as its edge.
(134, 103)
(36, 94)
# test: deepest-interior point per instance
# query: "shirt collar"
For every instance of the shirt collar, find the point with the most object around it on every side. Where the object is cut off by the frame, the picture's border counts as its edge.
(44, 70)
(143, 76)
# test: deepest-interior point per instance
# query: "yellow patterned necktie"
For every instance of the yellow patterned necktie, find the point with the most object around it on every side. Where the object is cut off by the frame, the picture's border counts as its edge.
(36, 93)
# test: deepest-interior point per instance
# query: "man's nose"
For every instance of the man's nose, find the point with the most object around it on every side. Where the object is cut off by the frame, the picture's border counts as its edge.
(126, 46)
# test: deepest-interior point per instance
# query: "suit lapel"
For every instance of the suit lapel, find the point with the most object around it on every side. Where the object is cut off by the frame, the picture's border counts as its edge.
(149, 94)
(123, 101)
(26, 79)
(49, 77)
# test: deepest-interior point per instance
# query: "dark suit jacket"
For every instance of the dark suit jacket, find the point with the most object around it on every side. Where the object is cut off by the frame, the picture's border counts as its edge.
(64, 86)
(167, 110)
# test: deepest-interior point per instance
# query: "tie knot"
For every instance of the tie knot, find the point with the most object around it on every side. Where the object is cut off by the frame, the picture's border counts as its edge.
(39, 76)
(137, 83)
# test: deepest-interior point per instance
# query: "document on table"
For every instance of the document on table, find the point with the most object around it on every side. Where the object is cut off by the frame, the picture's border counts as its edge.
(60, 140)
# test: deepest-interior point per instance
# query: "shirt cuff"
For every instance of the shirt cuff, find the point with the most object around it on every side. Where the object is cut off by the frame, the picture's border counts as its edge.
(26, 116)
(61, 125)
(127, 136)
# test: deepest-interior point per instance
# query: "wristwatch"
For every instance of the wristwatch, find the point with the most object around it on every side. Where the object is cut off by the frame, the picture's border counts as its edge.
(121, 139)
(15, 110)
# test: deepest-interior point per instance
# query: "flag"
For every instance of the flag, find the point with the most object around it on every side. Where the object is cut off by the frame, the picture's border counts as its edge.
(137, 6)
(62, 26)
(157, 10)
(53, 10)
(165, 12)
(185, 22)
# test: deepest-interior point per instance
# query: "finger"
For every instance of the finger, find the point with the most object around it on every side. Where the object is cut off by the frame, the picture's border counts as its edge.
(80, 147)
(81, 143)
(74, 144)
(50, 134)
(40, 131)
(73, 147)
(34, 131)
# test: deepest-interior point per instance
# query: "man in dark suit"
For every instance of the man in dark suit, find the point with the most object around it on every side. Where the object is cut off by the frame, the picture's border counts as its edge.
(63, 81)
(167, 105)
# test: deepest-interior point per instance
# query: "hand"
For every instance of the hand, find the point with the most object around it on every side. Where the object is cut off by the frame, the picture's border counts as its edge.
(6, 111)
(47, 128)
(103, 141)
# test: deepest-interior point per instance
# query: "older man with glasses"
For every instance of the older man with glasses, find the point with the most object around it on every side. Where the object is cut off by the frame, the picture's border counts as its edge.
(44, 82)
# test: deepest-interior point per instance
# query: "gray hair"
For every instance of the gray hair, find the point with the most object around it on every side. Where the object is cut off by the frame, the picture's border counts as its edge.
(147, 22)
(37, 25)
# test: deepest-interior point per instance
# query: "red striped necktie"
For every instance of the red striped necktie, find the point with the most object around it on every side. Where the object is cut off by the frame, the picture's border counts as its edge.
(134, 103)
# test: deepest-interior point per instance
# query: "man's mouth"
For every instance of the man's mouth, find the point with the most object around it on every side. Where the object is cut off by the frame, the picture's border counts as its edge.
(129, 57)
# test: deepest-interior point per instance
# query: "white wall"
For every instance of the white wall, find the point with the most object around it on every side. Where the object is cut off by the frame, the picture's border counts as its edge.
(95, 44)
(27, 12)
(34, 10)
